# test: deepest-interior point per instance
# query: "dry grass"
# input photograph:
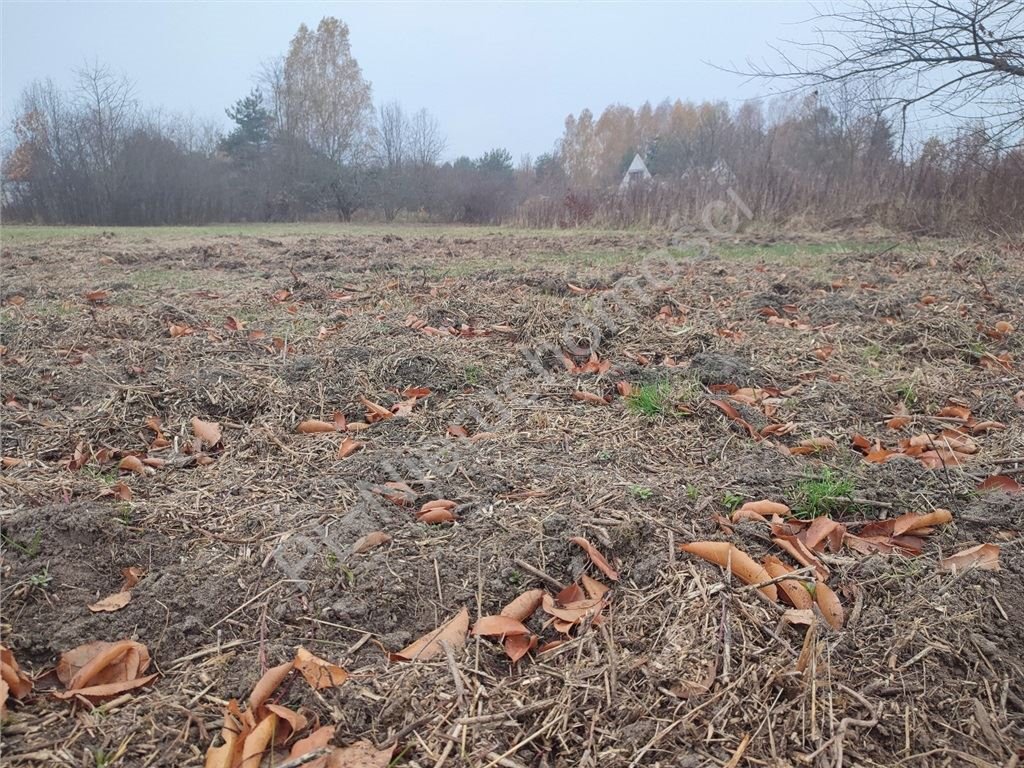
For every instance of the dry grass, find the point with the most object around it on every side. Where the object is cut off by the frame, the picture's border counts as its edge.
(926, 672)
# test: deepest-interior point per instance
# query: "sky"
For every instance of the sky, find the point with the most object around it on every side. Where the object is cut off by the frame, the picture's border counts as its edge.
(494, 75)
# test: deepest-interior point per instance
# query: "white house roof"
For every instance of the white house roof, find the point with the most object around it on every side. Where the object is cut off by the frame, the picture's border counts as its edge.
(637, 171)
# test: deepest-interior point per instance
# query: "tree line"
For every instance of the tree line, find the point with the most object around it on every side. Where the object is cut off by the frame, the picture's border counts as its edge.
(309, 143)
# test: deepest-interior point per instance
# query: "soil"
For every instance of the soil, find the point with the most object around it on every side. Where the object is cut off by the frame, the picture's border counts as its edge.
(249, 556)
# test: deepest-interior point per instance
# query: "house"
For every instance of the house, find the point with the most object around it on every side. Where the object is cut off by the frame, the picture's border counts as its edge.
(637, 173)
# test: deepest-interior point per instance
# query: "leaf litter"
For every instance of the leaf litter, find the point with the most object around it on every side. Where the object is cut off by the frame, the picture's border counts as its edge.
(672, 627)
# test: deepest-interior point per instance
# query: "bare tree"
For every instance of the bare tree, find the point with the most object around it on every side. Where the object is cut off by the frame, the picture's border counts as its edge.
(390, 137)
(960, 58)
(426, 141)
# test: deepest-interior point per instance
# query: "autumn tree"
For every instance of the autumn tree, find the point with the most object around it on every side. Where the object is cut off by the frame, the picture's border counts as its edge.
(323, 99)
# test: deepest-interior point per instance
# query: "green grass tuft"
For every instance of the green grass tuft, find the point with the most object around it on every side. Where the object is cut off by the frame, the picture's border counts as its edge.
(822, 494)
(649, 400)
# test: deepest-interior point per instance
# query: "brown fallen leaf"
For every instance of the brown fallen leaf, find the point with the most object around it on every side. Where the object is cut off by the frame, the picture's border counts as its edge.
(727, 556)
(313, 426)
(498, 626)
(268, 684)
(595, 589)
(232, 323)
(398, 493)
(802, 554)
(100, 669)
(828, 603)
(427, 647)
(572, 611)
(131, 575)
(596, 557)
(318, 673)
(767, 508)
(517, 646)
(132, 464)
(111, 603)
(291, 721)
(436, 515)
(369, 541)
(733, 414)
(984, 557)
(97, 297)
(912, 522)
(318, 739)
(348, 447)
(1003, 483)
(361, 754)
(589, 397)
(375, 411)
(208, 432)
(524, 606)
(177, 330)
(13, 681)
(121, 492)
(793, 591)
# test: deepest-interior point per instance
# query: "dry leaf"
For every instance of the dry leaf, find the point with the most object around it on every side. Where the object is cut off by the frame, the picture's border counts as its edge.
(374, 411)
(111, 603)
(207, 431)
(362, 754)
(121, 492)
(436, 515)
(369, 541)
(268, 684)
(767, 508)
(348, 447)
(727, 556)
(802, 554)
(312, 426)
(132, 464)
(594, 588)
(319, 673)
(793, 591)
(983, 556)
(911, 522)
(318, 739)
(524, 606)
(13, 681)
(517, 646)
(829, 605)
(1003, 483)
(733, 414)
(100, 669)
(498, 626)
(596, 557)
(589, 397)
(292, 722)
(427, 647)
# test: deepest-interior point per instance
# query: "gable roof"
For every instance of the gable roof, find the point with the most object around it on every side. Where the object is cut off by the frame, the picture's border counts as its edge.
(636, 168)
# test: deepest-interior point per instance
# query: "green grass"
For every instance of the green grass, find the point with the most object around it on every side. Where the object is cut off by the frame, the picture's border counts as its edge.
(907, 393)
(650, 400)
(26, 233)
(822, 493)
(31, 549)
(732, 502)
(641, 492)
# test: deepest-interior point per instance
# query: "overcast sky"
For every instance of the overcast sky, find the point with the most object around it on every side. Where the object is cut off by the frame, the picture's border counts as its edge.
(494, 75)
